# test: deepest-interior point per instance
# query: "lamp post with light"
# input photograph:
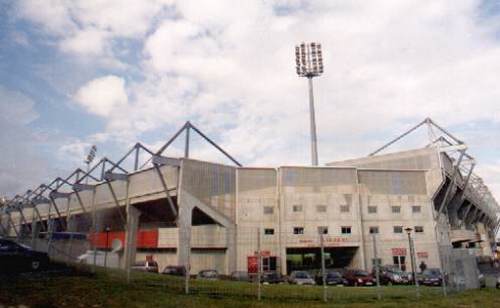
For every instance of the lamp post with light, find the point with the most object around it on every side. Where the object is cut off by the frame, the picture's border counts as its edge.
(412, 259)
(90, 157)
(107, 229)
(309, 63)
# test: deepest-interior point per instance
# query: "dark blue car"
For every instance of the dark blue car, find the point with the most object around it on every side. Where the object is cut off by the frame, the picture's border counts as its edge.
(16, 258)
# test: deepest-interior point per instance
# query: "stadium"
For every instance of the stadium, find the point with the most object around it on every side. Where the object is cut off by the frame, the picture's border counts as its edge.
(207, 215)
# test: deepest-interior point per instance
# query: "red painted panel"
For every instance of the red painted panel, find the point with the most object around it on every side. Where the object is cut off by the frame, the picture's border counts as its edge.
(145, 238)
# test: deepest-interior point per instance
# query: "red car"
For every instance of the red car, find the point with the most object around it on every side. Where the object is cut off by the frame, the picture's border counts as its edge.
(359, 278)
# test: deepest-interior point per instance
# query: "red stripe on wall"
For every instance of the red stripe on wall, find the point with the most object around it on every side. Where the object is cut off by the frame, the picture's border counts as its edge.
(145, 238)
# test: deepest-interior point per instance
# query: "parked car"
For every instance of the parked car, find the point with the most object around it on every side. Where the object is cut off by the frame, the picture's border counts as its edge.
(240, 276)
(332, 278)
(16, 257)
(359, 278)
(389, 275)
(271, 278)
(208, 275)
(431, 277)
(145, 266)
(174, 270)
(301, 278)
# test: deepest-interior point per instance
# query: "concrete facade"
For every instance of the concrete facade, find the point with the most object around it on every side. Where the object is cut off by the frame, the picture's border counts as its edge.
(283, 209)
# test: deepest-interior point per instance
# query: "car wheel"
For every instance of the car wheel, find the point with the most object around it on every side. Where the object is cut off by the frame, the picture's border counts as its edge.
(35, 265)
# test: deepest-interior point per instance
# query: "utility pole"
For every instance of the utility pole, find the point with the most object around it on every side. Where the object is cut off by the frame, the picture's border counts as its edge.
(323, 267)
(377, 265)
(412, 258)
(259, 265)
(309, 64)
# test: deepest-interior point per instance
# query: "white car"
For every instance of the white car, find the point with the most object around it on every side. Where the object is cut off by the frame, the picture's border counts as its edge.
(112, 259)
(301, 278)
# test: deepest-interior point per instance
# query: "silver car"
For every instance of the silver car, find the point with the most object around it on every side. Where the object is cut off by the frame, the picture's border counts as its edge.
(301, 278)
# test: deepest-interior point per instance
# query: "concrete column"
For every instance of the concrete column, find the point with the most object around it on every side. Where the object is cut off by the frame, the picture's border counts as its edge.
(453, 207)
(184, 223)
(133, 215)
(231, 252)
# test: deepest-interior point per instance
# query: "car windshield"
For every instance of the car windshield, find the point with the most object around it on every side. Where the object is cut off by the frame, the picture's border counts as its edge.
(395, 270)
(432, 272)
(333, 275)
(302, 275)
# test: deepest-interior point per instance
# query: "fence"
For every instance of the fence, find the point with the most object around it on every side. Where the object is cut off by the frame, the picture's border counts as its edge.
(318, 261)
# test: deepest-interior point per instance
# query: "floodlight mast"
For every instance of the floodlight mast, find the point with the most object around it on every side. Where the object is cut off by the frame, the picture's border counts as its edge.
(90, 157)
(309, 63)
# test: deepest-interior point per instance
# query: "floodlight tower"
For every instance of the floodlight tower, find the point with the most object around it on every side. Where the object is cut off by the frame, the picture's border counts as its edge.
(90, 157)
(309, 60)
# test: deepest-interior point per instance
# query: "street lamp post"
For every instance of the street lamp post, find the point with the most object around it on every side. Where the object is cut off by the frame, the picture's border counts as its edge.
(107, 229)
(412, 258)
(309, 63)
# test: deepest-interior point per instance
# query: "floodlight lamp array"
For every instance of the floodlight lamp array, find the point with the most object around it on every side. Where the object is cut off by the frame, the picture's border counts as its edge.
(309, 60)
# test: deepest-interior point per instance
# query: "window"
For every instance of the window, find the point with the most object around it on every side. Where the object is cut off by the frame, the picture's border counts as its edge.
(268, 231)
(298, 230)
(323, 230)
(268, 210)
(321, 208)
(399, 261)
(297, 208)
(372, 209)
(416, 209)
(398, 229)
(396, 209)
(344, 208)
(419, 229)
(373, 230)
(345, 230)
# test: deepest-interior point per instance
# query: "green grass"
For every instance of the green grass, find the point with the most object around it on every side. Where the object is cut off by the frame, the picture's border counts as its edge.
(109, 289)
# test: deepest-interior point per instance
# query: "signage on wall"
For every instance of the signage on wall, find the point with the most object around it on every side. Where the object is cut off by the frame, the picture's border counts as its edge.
(252, 264)
(263, 253)
(329, 241)
(422, 254)
(399, 251)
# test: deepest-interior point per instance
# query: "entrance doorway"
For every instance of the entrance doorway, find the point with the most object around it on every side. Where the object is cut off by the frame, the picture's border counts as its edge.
(310, 258)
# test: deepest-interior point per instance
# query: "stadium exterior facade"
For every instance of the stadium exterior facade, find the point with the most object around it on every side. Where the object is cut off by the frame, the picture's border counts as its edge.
(214, 216)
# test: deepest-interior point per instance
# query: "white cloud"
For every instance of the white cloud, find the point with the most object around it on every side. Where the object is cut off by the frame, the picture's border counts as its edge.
(20, 165)
(229, 68)
(16, 107)
(88, 27)
(103, 95)
(89, 41)
(74, 151)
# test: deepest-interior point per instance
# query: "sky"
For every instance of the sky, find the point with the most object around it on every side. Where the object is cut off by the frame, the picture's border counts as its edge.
(111, 73)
